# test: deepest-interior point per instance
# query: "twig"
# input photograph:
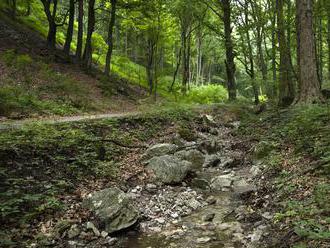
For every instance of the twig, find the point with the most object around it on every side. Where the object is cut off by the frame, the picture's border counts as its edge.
(118, 143)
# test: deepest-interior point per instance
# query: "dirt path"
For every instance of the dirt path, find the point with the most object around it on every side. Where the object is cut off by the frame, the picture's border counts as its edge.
(5, 125)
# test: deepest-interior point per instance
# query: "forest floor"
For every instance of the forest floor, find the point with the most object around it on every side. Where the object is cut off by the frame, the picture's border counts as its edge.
(280, 158)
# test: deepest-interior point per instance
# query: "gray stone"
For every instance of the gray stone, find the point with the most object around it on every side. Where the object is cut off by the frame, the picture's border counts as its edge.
(91, 226)
(255, 170)
(242, 187)
(227, 163)
(221, 182)
(195, 157)
(74, 231)
(212, 161)
(113, 208)
(203, 240)
(211, 200)
(209, 217)
(169, 169)
(159, 150)
(104, 234)
(200, 183)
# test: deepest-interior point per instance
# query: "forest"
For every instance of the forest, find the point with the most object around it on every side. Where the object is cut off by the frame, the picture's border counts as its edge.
(165, 123)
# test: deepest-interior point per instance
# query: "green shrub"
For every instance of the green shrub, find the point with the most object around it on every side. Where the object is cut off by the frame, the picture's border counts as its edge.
(207, 94)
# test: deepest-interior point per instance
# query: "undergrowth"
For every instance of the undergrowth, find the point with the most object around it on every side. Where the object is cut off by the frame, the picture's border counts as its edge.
(294, 146)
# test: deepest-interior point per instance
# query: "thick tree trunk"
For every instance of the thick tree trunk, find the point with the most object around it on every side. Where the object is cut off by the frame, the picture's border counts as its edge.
(110, 37)
(286, 87)
(69, 33)
(87, 58)
(230, 64)
(80, 29)
(308, 80)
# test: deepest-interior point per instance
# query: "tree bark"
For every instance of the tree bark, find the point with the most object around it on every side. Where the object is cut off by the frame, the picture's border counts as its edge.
(52, 27)
(229, 62)
(309, 90)
(286, 87)
(87, 57)
(69, 33)
(80, 29)
(110, 37)
(328, 38)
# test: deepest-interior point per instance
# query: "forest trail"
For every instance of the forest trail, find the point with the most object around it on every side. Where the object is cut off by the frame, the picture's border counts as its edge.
(14, 124)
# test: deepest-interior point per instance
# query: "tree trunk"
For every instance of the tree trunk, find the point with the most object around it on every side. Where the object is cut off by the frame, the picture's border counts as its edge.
(176, 69)
(309, 84)
(80, 29)
(52, 27)
(87, 58)
(149, 65)
(185, 59)
(286, 87)
(328, 38)
(69, 33)
(110, 37)
(230, 64)
(274, 69)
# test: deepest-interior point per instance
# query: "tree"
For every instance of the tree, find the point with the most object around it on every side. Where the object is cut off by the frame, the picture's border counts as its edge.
(309, 85)
(110, 39)
(230, 56)
(51, 17)
(87, 57)
(67, 45)
(286, 87)
(80, 28)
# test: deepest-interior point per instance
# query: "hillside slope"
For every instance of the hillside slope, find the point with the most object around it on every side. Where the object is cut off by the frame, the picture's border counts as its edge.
(31, 84)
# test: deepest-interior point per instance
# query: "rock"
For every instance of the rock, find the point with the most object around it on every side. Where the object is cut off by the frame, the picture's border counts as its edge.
(221, 182)
(194, 204)
(209, 120)
(242, 187)
(91, 226)
(111, 241)
(104, 234)
(212, 161)
(200, 183)
(113, 208)
(159, 150)
(74, 231)
(209, 217)
(213, 131)
(195, 157)
(160, 220)
(203, 240)
(228, 163)
(211, 200)
(267, 216)
(151, 187)
(210, 146)
(255, 170)
(169, 169)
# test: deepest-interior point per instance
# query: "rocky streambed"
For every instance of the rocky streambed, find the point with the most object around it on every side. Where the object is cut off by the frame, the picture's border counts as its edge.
(195, 197)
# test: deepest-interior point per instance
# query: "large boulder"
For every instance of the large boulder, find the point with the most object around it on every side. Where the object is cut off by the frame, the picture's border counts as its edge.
(159, 150)
(169, 169)
(113, 208)
(195, 157)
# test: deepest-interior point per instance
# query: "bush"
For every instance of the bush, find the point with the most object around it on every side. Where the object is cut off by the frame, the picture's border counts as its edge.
(207, 94)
